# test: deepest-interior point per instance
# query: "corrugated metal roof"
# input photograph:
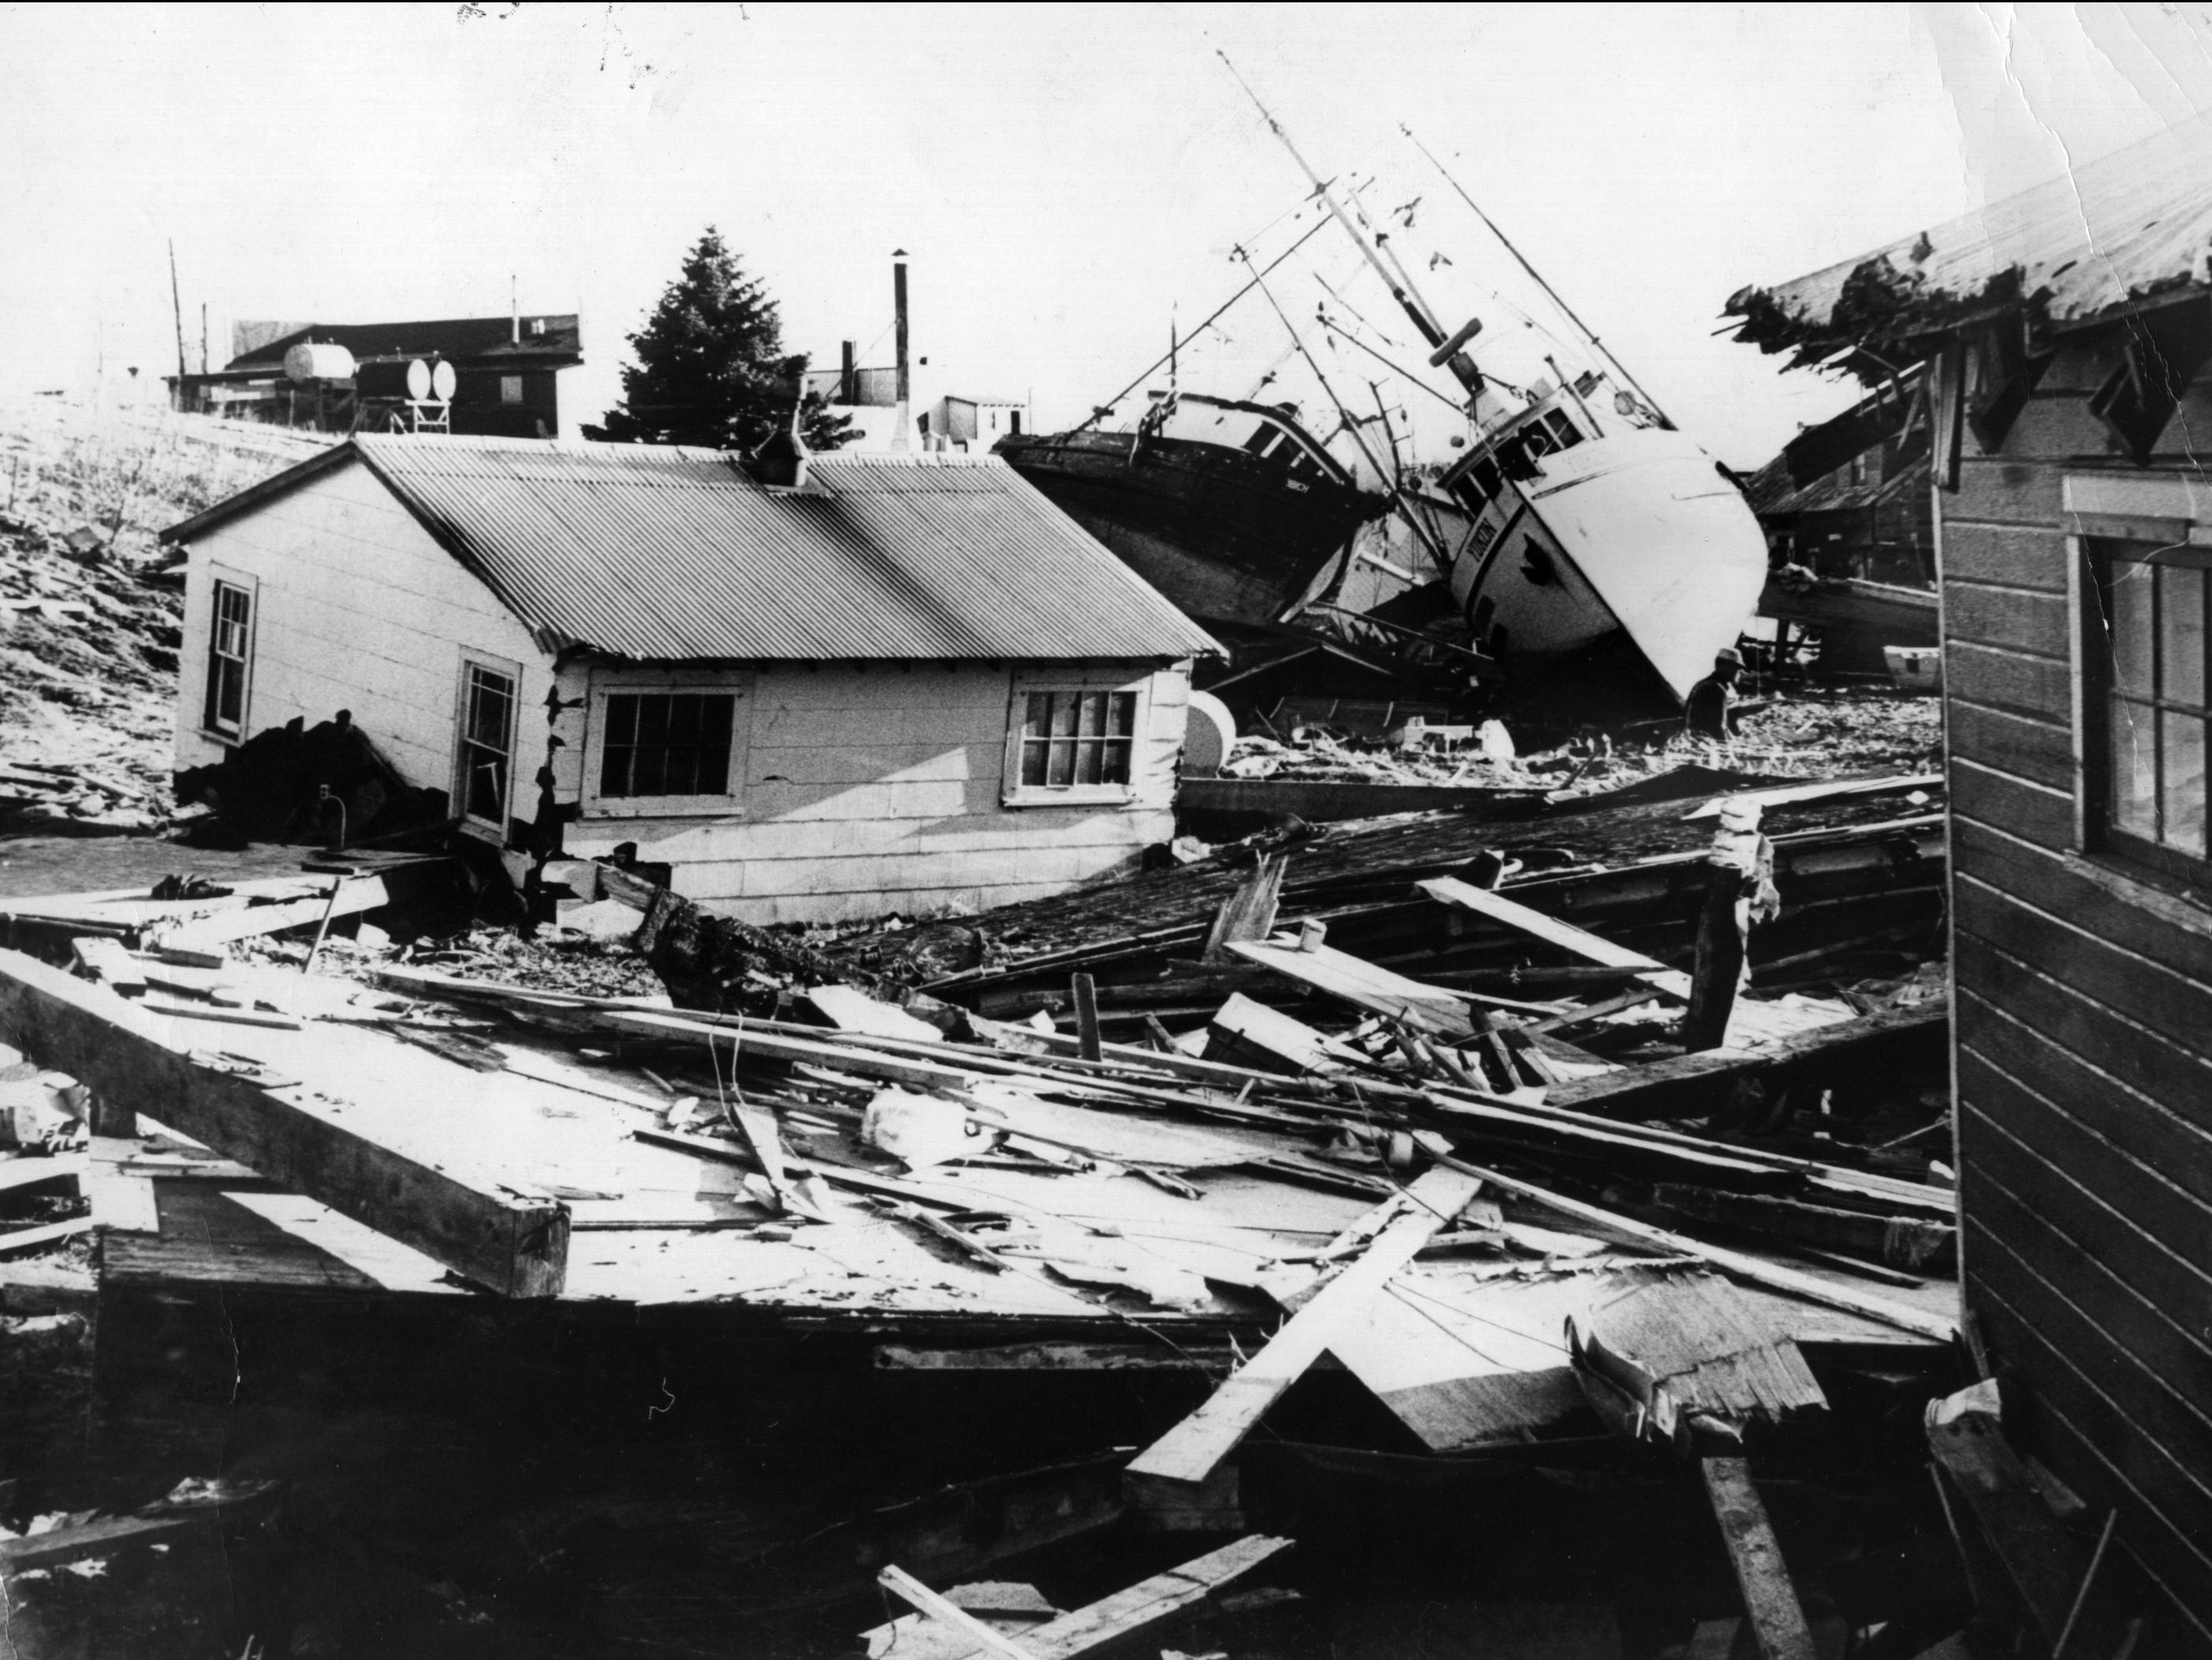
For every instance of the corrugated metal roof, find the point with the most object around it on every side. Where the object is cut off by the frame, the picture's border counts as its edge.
(2131, 225)
(657, 552)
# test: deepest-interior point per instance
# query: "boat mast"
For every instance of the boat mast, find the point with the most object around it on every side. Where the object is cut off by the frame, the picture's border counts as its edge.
(1537, 277)
(1375, 247)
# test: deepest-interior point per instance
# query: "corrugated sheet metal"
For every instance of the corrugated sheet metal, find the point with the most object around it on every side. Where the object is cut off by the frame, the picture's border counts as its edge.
(2132, 224)
(654, 552)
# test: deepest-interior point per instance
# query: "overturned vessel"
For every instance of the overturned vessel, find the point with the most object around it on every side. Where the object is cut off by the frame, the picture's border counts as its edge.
(1231, 510)
(1593, 530)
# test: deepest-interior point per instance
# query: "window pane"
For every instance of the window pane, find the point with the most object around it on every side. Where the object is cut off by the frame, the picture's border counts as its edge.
(2181, 795)
(2181, 633)
(1121, 714)
(622, 720)
(1033, 758)
(2134, 770)
(1116, 770)
(230, 693)
(1038, 717)
(1063, 714)
(1059, 769)
(2130, 590)
(614, 770)
(1091, 713)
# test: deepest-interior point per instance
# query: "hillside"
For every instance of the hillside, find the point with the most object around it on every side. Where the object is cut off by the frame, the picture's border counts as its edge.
(90, 604)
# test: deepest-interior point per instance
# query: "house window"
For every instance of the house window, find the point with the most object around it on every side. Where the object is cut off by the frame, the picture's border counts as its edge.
(2149, 704)
(666, 744)
(230, 657)
(1075, 740)
(487, 745)
(510, 389)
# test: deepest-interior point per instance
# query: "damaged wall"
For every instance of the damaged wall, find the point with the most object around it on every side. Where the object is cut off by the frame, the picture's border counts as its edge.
(869, 788)
(2084, 1020)
(355, 607)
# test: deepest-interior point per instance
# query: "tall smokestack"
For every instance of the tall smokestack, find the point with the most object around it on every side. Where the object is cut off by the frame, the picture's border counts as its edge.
(900, 424)
(849, 375)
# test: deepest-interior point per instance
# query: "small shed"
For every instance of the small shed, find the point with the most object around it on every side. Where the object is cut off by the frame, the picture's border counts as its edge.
(894, 683)
(2069, 329)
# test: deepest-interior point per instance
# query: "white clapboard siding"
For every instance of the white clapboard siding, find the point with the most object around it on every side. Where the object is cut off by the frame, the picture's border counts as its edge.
(357, 609)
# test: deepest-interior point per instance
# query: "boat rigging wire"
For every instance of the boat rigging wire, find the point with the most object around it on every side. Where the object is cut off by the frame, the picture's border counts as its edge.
(1099, 411)
(1342, 333)
(1565, 310)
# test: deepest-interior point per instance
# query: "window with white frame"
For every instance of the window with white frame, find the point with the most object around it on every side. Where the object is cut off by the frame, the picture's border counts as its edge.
(485, 763)
(230, 658)
(666, 744)
(1073, 743)
(2148, 702)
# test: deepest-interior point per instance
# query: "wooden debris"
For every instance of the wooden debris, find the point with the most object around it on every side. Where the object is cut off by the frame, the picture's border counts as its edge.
(109, 961)
(987, 1640)
(1777, 1620)
(515, 1245)
(1249, 913)
(18, 1242)
(1431, 1008)
(1190, 1452)
(1255, 1035)
(1694, 1361)
(1770, 1275)
(850, 1009)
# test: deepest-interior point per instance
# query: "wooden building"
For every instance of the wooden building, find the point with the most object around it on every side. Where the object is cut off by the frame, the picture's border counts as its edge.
(892, 684)
(2070, 333)
(507, 372)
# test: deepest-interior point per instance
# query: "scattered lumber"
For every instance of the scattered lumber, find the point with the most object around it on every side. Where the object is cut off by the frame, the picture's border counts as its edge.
(1774, 1277)
(22, 1242)
(1430, 1008)
(1695, 1364)
(1785, 795)
(1274, 1042)
(1600, 952)
(1145, 1607)
(1249, 913)
(1778, 1619)
(99, 958)
(1189, 1453)
(1691, 1085)
(514, 1244)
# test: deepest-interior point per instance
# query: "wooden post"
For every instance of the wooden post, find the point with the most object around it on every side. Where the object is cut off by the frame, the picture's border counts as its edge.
(1769, 1598)
(1085, 991)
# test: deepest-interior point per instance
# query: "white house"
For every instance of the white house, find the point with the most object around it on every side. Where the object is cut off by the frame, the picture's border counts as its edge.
(902, 683)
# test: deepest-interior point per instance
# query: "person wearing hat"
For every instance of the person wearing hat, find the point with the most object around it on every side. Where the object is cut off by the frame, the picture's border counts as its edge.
(1705, 711)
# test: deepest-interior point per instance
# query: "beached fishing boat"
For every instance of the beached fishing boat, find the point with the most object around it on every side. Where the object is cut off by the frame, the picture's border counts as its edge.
(1231, 509)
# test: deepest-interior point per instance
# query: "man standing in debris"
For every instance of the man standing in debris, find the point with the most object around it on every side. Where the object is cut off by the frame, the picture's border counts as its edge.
(1705, 711)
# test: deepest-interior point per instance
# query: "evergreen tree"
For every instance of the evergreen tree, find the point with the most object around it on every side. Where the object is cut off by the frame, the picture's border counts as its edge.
(711, 368)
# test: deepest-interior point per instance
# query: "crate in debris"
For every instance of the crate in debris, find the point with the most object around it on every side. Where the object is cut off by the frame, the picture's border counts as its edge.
(1916, 668)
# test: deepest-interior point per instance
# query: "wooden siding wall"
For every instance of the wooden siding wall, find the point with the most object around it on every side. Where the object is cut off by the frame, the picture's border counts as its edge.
(2084, 1026)
(877, 789)
(359, 608)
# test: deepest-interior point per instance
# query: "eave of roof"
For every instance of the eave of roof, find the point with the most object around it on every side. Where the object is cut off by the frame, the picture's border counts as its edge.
(2130, 229)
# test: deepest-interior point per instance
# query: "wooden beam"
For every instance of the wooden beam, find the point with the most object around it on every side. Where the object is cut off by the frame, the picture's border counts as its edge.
(346, 897)
(910, 1591)
(1147, 1607)
(1193, 1450)
(1776, 1619)
(1381, 991)
(1722, 944)
(20, 1241)
(1689, 1083)
(515, 1245)
(1771, 1275)
(1083, 990)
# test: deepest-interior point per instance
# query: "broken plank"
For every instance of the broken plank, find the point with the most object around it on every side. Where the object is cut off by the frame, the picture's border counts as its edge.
(17, 1175)
(60, 1545)
(1591, 947)
(1771, 1275)
(1688, 1084)
(346, 897)
(869, 1061)
(1381, 991)
(1900, 1242)
(1150, 1604)
(121, 1202)
(903, 1585)
(758, 1128)
(105, 959)
(19, 1241)
(1276, 1041)
(514, 1244)
(850, 1009)
(1791, 794)
(1193, 1450)
(1778, 1619)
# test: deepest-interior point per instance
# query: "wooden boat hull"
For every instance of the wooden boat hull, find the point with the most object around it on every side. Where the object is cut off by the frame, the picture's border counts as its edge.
(1636, 533)
(1225, 535)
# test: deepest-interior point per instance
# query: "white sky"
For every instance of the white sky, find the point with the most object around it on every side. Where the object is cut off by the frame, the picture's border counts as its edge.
(1067, 178)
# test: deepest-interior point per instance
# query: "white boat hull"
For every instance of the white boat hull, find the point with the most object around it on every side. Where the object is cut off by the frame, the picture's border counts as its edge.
(1637, 530)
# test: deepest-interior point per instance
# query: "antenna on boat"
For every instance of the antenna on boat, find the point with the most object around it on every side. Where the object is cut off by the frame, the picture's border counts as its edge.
(1429, 540)
(1537, 277)
(1448, 352)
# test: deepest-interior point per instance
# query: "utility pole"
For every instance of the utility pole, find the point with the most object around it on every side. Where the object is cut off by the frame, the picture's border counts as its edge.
(177, 302)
